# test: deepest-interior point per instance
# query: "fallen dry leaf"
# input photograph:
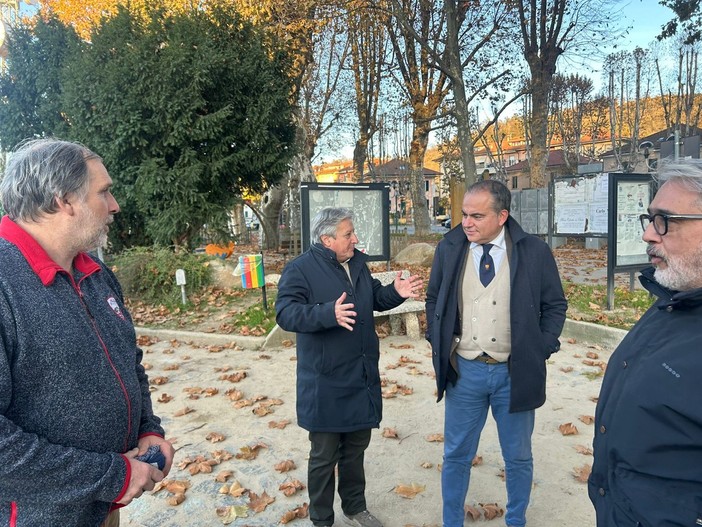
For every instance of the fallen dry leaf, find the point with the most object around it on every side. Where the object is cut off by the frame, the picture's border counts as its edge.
(409, 491)
(472, 513)
(426, 464)
(144, 340)
(174, 486)
(582, 473)
(279, 424)
(568, 429)
(587, 419)
(224, 475)
(164, 398)
(567, 369)
(234, 377)
(176, 499)
(571, 341)
(158, 381)
(492, 510)
(262, 411)
(214, 437)
(291, 487)
(183, 411)
(221, 455)
(285, 466)
(584, 450)
(592, 355)
(390, 433)
(259, 503)
(250, 452)
(232, 512)
(299, 512)
(435, 438)
(477, 460)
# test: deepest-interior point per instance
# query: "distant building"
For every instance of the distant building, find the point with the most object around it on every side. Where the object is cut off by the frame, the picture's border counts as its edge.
(651, 149)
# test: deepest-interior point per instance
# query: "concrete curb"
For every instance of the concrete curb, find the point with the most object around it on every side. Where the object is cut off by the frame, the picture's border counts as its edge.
(593, 333)
(203, 338)
(581, 331)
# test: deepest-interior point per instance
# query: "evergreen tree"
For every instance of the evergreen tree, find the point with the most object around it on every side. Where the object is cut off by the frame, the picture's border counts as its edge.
(189, 111)
(30, 87)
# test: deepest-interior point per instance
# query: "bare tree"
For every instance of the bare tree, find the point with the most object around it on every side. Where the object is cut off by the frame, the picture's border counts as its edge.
(368, 38)
(310, 31)
(627, 103)
(549, 29)
(570, 93)
(425, 87)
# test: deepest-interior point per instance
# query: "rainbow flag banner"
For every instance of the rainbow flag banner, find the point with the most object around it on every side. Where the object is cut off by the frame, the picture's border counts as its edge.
(251, 269)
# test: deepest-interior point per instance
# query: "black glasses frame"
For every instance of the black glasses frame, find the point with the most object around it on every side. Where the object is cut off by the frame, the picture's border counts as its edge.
(661, 225)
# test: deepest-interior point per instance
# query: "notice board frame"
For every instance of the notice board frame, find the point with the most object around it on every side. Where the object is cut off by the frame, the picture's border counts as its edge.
(629, 196)
(370, 203)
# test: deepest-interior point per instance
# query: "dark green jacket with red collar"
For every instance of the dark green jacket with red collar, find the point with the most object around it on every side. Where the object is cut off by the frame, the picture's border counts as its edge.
(73, 393)
(647, 468)
(537, 311)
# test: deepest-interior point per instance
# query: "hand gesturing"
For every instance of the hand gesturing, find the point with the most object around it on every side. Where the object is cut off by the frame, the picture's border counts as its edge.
(345, 315)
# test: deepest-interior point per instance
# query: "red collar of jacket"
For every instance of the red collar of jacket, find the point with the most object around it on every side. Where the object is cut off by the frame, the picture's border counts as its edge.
(37, 258)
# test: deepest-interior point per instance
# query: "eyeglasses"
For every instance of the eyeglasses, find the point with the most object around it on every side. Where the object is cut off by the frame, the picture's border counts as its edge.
(660, 221)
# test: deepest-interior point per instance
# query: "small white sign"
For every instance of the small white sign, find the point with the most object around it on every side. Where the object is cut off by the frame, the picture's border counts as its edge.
(180, 276)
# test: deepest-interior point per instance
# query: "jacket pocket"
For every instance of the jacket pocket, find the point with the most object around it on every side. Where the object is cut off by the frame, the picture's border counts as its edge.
(659, 502)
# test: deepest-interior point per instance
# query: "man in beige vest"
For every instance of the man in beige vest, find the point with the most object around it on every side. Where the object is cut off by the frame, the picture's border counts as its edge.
(495, 310)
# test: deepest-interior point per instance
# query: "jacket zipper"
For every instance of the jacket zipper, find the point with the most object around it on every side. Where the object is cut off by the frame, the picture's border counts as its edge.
(109, 359)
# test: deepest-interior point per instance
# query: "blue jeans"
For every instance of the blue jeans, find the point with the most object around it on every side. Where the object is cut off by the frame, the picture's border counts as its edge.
(480, 386)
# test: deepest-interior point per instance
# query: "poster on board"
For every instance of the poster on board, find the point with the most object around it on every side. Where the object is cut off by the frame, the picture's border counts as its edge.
(370, 204)
(580, 205)
(631, 196)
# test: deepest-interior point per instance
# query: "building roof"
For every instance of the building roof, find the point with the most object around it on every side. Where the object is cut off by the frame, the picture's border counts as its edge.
(397, 168)
(655, 138)
(556, 158)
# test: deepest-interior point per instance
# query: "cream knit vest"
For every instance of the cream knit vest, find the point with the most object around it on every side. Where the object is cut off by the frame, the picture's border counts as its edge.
(485, 323)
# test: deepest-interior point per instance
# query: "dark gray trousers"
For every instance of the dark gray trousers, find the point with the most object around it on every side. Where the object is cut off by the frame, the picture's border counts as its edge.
(327, 451)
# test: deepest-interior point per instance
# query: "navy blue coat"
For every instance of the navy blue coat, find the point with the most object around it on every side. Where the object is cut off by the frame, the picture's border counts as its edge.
(338, 382)
(647, 466)
(537, 310)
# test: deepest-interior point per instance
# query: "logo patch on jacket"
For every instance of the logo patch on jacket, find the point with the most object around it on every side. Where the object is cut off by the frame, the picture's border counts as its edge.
(115, 307)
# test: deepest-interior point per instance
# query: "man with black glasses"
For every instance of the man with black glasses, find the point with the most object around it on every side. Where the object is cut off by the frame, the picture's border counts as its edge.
(648, 424)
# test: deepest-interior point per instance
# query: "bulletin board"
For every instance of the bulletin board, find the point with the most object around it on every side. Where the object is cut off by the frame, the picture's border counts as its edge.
(630, 196)
(370, 204)
(580, 205)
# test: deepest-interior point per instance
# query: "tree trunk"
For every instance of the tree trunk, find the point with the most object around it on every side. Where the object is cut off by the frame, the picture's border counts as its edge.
(418, 150)
(540, 89)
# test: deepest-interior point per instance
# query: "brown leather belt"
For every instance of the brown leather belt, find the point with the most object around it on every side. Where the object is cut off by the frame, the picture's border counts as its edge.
(487, 359)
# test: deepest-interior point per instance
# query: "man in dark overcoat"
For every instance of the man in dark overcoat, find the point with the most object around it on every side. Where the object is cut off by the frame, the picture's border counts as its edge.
(327, 296)
(495, 310)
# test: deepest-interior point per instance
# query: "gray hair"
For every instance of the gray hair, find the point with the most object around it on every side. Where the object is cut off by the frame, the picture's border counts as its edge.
(40, 171)
(685, 172)
(327, 220)
(501, 196)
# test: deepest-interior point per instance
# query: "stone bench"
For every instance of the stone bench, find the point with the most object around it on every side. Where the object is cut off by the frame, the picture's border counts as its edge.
(407, 313)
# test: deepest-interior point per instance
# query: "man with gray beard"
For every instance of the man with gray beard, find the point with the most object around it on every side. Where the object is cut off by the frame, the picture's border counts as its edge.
(648, 424)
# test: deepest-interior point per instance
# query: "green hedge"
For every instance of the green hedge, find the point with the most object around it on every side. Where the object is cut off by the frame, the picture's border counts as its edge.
(148, 274)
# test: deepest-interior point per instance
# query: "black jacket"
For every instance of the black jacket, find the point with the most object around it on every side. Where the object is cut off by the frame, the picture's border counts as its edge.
(338, 382)
(647, 466)
(537, 311)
